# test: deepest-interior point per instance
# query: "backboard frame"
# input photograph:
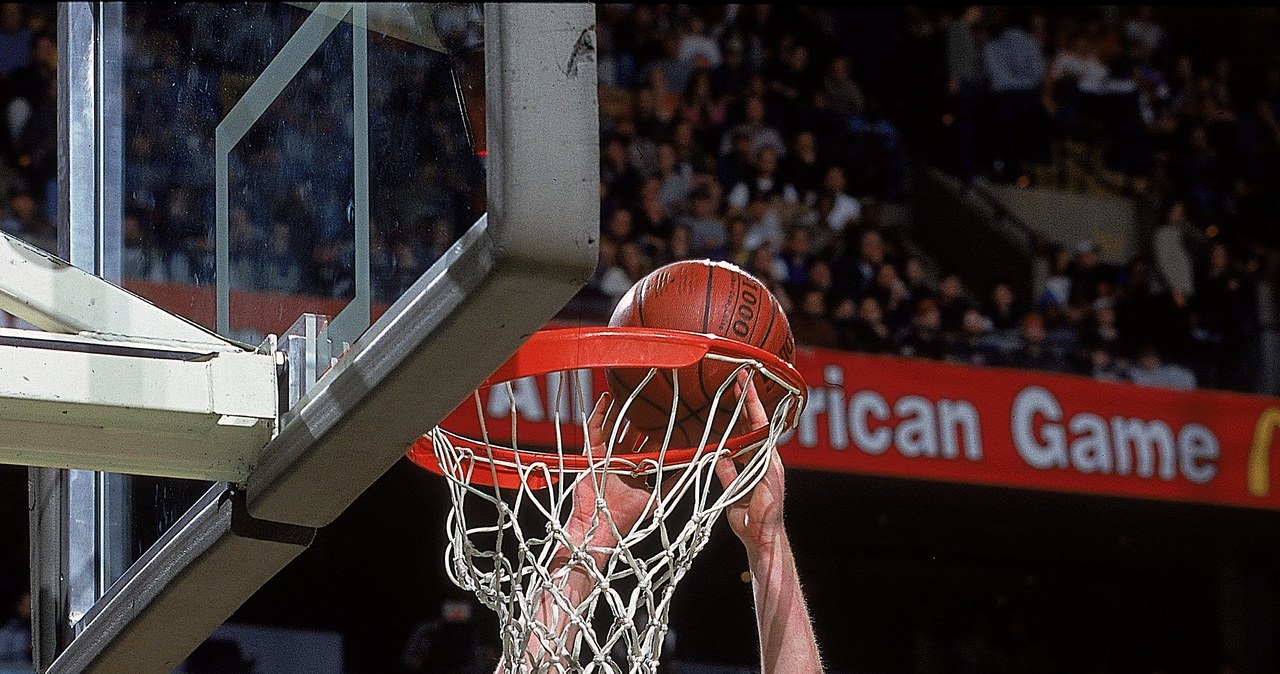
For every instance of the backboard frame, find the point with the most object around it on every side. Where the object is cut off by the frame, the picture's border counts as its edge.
(509, 274)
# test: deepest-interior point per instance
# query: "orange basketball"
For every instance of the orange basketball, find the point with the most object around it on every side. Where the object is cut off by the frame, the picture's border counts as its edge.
(702, 296)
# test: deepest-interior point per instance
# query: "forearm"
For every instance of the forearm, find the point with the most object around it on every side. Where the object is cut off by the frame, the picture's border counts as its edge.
(553, 609)
(787, 641)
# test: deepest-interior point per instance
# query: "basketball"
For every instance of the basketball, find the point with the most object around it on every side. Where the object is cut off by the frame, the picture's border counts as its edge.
(702, 296)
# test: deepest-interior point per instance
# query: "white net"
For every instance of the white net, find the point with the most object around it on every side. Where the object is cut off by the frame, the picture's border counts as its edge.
(578, 547)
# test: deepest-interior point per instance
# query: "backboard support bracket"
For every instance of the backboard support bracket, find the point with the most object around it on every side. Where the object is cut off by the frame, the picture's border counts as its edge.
(190, 581)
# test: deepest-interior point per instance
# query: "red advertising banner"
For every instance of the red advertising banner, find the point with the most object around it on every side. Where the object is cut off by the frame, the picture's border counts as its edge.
(920, 419)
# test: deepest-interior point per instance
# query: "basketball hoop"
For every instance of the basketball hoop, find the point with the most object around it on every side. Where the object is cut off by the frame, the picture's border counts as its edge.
(513, 481)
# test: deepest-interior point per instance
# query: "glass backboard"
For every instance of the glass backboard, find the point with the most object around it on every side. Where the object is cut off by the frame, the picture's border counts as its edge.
(351, 191)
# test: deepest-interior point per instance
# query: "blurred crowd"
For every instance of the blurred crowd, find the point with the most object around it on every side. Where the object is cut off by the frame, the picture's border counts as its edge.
(291, 209)
(778, 137)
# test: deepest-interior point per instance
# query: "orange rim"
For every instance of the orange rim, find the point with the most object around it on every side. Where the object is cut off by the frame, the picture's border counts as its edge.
(593, 348)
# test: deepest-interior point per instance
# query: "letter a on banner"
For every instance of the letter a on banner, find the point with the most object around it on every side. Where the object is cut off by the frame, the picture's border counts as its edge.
(1264, 434)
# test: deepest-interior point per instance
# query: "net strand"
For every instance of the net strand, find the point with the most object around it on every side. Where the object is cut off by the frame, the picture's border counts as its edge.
(512, 547)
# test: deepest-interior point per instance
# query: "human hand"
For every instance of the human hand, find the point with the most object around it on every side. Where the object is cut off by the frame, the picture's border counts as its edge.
(756, 517)
(607, 505)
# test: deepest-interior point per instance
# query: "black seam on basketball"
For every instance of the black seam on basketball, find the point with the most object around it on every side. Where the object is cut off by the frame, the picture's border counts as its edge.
(671, 384)
(773, 315)
(706, 322)
(706, 306)
(639, 398)
(659, 408)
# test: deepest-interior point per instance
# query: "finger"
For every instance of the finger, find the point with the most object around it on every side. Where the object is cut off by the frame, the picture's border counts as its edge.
(755, 409)
(755, 414)
(631, 439)
(726, 471)
(595, 423)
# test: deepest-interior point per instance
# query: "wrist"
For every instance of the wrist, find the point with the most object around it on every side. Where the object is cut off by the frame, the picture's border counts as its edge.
(767, 547)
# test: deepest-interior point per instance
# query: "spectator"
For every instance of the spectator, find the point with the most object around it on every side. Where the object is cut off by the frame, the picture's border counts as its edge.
(704, 222)
(1004, 312)
(697, 47)
(615, 68)
(1128, 144)
(1104, 366)
(793, 80)
(675, 179)
(283, 272)
(972, 346)
(891, 293)
(1147, 316)
(1171, 249)
(796, 255)
(1074, 86)
(679, 246)
(1198, 171)
(765, 181)
(619, 226)
(666, 104)
(675, 69)
(1100, 330)
(765, 224)
(1033, 353)
(329, 272)
(802, 168)
(766, 265)
(876, 146)
(738, 165)
(864, 330)
(811, 324)
(31, 119)
(1088, 274)
(843, 94)
(916, 278)
(140, 258)
(703, 107)
(1056, 287)
(1145, 35)
(734, 248)
(651, 219)
(640, 135)
(617, 171)
(1225, 319)
(18, 218)
(15, 39)
(632, 265)
(1152, 370)
(447, 644)
(966, 86)
(15, 636)
(856, 269)
(822, 277)
(691, 151)
(757, 129)
(923, 338)
(845, 210)
(24, 219)
(1016, 71)
(952, 302)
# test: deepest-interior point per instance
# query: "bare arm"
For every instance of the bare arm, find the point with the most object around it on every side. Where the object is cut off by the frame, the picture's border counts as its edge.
(787, 642)
(624, 500)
